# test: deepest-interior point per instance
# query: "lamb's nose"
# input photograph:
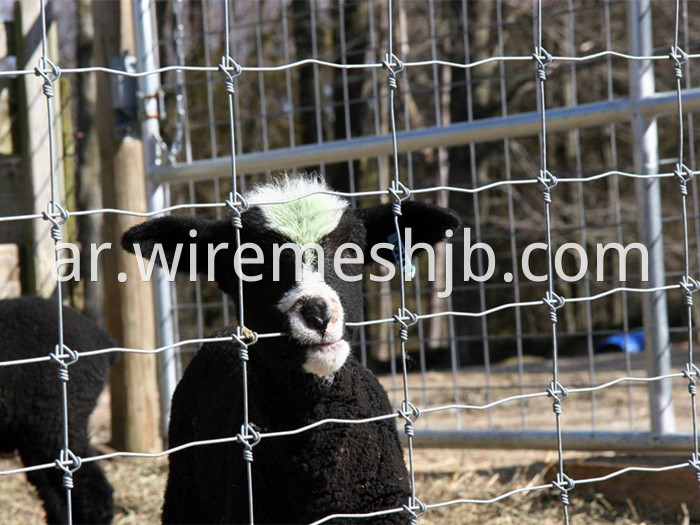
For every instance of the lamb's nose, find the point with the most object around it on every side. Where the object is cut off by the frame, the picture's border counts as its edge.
(316, 315)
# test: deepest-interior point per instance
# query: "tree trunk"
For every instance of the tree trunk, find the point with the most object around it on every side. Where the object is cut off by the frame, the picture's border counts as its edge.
(88, 187)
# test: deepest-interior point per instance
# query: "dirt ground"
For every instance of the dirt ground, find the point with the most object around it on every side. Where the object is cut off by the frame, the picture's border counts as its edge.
(446, 475)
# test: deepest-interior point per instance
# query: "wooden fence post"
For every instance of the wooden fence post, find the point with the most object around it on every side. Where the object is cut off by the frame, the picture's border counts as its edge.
(38, 248)
(130, 306)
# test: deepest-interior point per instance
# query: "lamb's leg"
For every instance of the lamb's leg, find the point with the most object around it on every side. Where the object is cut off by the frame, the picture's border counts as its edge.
(48, 482)
(91, 496)
(181, 503)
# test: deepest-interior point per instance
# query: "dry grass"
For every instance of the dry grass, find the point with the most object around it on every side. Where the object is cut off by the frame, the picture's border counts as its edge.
(441, 475)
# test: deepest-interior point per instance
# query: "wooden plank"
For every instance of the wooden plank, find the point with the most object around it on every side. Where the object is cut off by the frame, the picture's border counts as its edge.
(9, 271)
(6, 139)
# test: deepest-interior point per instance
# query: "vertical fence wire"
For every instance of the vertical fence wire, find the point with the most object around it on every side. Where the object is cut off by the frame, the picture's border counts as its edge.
(690, 285)
(236, 203)
(476, 212)
(583, 237)
(56, 215)
(209, 83)
(289, 107)
(417, 286)
(507, 168)
(554, 302)
(404, 318)
(183, 139)
(377, 129)
(318, 107)
(624, 303)
(691, 136)
(346, 94)
(261, 82)
(233, 50)
(384, 289)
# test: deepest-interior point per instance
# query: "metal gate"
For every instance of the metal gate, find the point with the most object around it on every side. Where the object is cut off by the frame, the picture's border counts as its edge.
(499, 106)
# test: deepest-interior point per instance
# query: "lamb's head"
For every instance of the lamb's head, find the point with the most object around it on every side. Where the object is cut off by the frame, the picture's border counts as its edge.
(301, 258)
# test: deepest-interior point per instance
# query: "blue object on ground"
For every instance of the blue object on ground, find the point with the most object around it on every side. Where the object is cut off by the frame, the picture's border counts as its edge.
(632, 343)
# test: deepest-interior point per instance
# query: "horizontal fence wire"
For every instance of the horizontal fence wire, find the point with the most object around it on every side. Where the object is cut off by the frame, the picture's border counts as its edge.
(400, 415)
(203, 340)
(355, 194)
(334, 65)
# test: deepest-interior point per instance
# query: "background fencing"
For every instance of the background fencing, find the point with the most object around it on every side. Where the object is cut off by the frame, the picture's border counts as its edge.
(532, 122)
(469, 117)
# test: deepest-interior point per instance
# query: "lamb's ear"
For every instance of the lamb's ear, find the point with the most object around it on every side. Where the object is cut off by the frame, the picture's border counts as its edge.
(428, 222)
(170, 231)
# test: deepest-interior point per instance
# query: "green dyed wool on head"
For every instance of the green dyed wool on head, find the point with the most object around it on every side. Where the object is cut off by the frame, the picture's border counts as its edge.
(304, 220)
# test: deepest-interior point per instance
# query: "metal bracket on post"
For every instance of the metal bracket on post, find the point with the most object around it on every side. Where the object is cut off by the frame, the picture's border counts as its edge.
(124, 99)
(143, 107)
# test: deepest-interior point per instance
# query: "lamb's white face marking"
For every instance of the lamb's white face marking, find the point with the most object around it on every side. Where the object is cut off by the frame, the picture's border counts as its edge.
(304, 221)
(327, 351)
(291, 302)
(326, 360)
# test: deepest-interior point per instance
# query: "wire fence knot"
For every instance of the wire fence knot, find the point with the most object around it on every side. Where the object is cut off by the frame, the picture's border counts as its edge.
(543, 59)
(400, 318)
(389, 62)
(548, 182)
(249, 437)
(244, 338)
(692, 373)
(57, 215)
(694, 462)
(558, 392)
(690, 286)
(400, 193)
(237, 204)
(412, 507)
(64, 359)
(685, 175)
(229, 63)
(564, 484)
(679, 58)
(68, 463)
(410, 413)
(55, 73)
(555, 302)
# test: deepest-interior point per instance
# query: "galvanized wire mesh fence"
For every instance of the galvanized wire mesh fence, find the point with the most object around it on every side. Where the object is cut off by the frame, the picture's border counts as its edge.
(262, 139)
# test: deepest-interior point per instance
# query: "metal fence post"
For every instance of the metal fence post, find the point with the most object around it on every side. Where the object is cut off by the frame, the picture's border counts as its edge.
(645, 143)
(147, 49)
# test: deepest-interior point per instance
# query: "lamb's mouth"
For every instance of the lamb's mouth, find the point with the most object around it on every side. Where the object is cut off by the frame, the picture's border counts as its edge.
(330, 346)
(325, 359)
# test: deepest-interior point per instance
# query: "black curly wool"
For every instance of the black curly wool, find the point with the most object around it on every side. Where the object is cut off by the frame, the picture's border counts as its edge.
(334, 468)
(31, 415)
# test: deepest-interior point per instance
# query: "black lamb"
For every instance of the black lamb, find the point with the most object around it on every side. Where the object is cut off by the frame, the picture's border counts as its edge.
(307, 376)
(31, 416)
